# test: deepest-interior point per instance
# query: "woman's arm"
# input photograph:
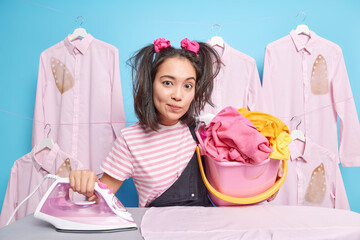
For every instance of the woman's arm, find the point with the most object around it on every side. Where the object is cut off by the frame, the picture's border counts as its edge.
(111, 182)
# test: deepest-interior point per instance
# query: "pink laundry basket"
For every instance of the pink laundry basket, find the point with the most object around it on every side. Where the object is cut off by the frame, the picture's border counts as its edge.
(234, 183)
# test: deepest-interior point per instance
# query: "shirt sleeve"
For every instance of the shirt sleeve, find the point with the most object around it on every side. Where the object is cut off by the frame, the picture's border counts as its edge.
(346, 110)
(117, 106)
(119, 162)
(10, 199)
(254, 90)
(39, 115)
(266, 104)
(341, 200)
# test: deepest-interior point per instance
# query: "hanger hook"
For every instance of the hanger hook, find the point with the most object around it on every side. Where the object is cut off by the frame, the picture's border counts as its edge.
(216, 26)
(82, 20)
(297, 124)
(302, 13)
(48, 133)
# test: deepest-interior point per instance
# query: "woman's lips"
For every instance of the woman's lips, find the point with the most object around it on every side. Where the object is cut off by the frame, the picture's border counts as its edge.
(174, 108)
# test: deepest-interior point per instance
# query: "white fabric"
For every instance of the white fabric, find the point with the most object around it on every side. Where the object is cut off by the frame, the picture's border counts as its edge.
(250, 222)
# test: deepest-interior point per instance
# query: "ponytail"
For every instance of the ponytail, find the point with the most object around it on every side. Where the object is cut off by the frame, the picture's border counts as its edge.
(142, 77)
(210, 67)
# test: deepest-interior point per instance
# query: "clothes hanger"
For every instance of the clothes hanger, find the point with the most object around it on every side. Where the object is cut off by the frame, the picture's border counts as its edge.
(78, 32)
(297, 134)
(46, 142)
(216, 40)
(302, 28)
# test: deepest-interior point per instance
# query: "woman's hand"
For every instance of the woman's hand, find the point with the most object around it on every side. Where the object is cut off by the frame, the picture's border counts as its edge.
(83, 181)
(279, 175)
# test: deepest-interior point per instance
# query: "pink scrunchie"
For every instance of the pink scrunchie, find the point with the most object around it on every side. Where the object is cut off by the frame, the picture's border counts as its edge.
(191, 46)
(161, 43)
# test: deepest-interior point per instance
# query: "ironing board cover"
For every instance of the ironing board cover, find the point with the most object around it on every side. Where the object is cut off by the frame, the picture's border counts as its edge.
(256, 222)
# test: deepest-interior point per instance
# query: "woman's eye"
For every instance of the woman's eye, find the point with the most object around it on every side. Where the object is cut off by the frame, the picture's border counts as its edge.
(167, 83)
(188, 86)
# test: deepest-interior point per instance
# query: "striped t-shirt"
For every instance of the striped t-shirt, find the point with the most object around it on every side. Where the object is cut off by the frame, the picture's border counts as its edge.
(154, 159)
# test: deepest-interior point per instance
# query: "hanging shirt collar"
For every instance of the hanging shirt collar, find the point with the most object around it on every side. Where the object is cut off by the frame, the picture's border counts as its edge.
(45, 160)
(296, 151)
(299, 44)
(78, 46)
(307, 150)
(225, 51)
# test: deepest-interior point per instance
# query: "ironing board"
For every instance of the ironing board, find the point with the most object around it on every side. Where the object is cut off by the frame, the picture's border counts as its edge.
(250, 222)
(32, 228)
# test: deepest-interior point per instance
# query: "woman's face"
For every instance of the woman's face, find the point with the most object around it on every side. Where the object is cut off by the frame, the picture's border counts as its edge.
(173, 89)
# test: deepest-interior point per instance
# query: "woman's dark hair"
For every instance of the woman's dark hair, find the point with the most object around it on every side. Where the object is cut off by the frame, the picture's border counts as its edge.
(145, 64)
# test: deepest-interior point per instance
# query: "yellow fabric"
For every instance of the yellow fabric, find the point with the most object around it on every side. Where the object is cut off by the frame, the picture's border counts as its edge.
(273, 129)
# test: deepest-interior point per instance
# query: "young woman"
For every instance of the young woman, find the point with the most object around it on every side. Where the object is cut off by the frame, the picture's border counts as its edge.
(170, 86)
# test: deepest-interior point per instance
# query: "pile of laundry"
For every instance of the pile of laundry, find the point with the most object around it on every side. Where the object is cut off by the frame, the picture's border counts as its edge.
(246, 136)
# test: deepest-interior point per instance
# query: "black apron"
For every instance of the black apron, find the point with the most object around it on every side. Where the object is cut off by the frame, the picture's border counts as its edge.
(188, 189)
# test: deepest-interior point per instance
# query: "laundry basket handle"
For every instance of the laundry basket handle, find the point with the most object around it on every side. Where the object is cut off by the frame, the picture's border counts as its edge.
(247, 200)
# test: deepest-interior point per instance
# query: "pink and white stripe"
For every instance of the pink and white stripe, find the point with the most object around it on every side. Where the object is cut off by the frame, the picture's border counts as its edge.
(154, 159)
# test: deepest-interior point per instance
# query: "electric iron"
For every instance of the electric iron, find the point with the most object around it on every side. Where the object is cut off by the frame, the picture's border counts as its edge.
(105, 215)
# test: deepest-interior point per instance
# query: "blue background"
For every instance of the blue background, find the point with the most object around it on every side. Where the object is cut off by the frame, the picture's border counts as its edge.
(28, 27)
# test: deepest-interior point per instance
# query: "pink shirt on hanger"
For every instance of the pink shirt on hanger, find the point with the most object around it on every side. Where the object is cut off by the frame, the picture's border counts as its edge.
(313, 178)
(306, 85)
(237, 84)
(79, 95)
(27, 172)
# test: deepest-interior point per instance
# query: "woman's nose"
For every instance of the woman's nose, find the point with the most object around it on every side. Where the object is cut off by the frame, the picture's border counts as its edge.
(177, 94)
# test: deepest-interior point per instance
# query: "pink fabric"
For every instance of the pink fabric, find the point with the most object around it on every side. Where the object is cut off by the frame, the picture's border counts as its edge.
(154, 159)
(232, 137)
(250, 222)
(161, 43)
(88, 113)
(191, 46)
(305, 158)
(26, 174)
(238, 83)
(288, 89)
